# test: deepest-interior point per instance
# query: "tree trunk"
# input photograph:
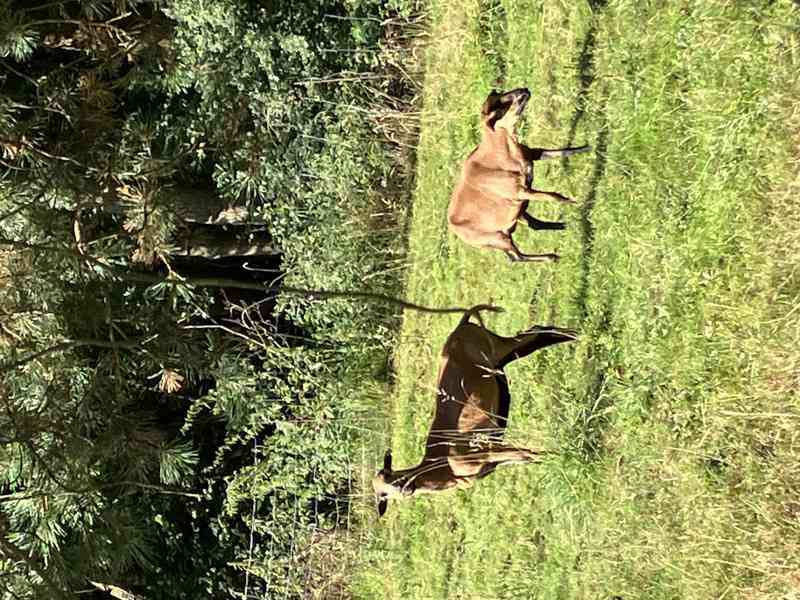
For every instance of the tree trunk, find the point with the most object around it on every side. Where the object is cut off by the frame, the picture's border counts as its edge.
(196, 205)
(212, 241)
(190, 204)
(212, 227)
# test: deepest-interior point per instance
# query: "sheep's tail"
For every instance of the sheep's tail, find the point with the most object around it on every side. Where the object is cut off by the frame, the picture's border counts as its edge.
(476, 312)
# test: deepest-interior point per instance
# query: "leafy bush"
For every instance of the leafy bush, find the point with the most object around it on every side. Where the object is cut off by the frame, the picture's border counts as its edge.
(148, 442)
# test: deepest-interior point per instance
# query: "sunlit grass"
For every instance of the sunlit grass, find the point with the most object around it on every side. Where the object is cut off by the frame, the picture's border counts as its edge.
(675, 416)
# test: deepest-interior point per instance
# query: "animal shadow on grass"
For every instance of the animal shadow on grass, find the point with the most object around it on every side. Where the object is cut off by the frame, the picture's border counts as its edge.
(493, 37)
(591, 422)
(586, 224)
(585, 68)
(453, 555)
(583, 407)
(597, 5)
(590, 407)
(593, 409)
(586, 75)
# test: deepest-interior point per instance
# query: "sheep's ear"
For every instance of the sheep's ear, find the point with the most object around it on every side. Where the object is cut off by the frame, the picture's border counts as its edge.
(490, 104)
(387, 463)
(382, 504)
(491, 117)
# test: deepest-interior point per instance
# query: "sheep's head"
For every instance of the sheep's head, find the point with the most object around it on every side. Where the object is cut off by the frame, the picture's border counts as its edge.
(388, 484)
(504, 109)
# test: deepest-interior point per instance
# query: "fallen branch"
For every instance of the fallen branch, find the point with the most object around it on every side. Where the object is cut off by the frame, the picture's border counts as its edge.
(219, 282)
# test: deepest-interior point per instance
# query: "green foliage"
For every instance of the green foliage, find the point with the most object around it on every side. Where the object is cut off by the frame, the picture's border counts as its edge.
(305, 158)
(17, 42)
(146, 441)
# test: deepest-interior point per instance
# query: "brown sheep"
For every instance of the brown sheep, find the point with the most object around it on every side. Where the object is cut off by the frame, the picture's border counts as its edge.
(496, 181)
(464, 443)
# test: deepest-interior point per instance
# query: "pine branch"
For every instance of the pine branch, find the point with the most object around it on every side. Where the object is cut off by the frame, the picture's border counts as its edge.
(65, 345)
(47, 5)
(19, 208)
(29, 444)
(14, 553)
(40, 152)
(35, 355)
(19, 74)
(19, 496)
(33, 246)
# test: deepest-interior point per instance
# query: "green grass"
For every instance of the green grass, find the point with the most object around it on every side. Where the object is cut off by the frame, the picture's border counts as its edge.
(676, 416)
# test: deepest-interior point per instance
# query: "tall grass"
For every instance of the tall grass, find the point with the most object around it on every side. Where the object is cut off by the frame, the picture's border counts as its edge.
(675, 416)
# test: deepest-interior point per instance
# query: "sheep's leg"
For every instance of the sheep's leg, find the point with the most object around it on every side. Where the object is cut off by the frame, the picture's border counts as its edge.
(525, 157)
(505, 349)
(520, 257)
(528, 179)
(545, 153)
(519, 161)
(511, 455)
(535, 223)
(482, 462)
(527, 342)
(502, 241)
(534, 194)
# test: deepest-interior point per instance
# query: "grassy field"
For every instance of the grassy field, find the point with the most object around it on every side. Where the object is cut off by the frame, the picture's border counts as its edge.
(676, 416)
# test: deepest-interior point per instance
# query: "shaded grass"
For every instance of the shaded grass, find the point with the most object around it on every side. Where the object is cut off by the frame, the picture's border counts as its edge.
(675, 416)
